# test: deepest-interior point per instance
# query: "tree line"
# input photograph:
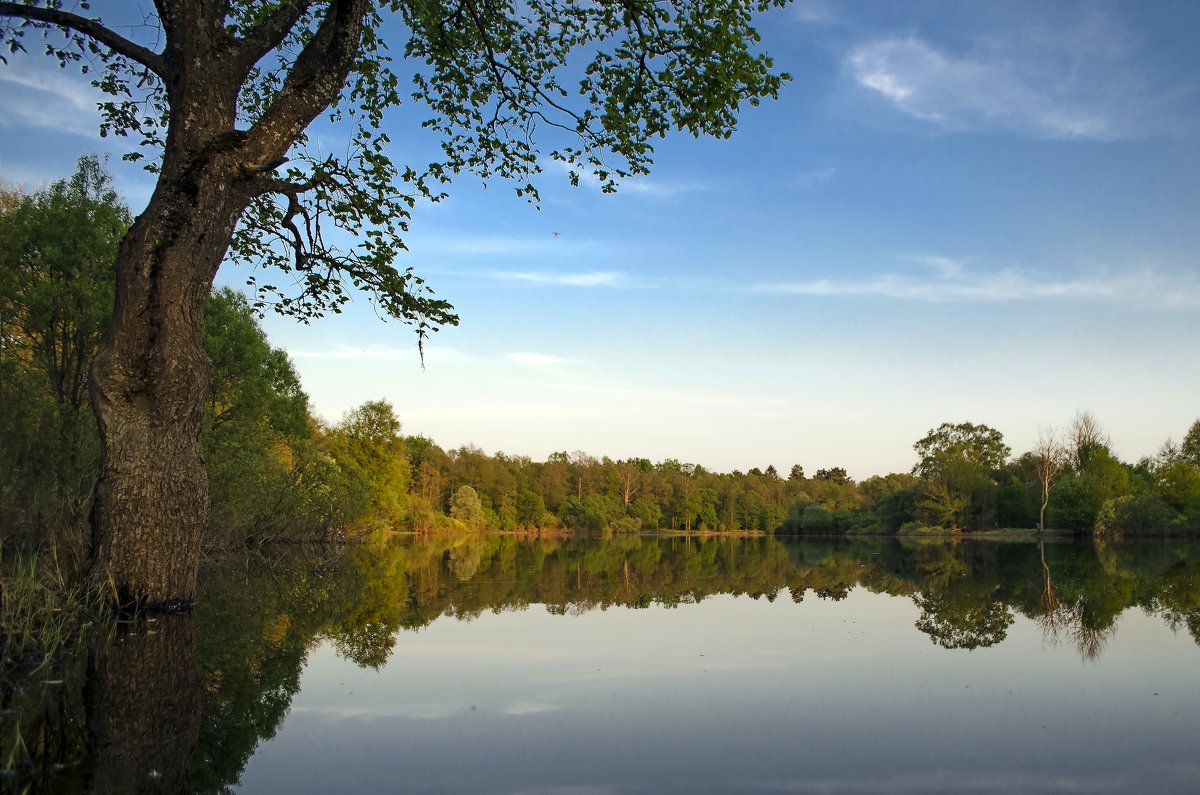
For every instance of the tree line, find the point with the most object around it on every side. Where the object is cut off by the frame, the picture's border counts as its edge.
(965, 480)
(278, 472)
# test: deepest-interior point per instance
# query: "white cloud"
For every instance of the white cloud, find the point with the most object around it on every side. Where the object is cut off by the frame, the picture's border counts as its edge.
(814, 12)
(498, 245)
(379, 353)
(535, 359)
(978, 93)
(610, 400)
(644, 186)
(944, 266)
(953, 283)
(585, 279)
(545, 402)
(66, 87)
(383, 711)
(641, 186)
(46, 97)
(530, 708)
(814, 177)
(1075, 73)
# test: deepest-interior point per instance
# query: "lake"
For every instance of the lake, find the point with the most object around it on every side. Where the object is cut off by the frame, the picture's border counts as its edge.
(570, 666)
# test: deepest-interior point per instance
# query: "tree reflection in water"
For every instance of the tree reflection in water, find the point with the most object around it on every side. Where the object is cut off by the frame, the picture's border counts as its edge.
(179, 703)
(144, 704)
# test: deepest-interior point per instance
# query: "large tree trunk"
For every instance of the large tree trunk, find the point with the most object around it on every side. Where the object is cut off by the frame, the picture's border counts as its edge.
(149, 381)
(151, 374)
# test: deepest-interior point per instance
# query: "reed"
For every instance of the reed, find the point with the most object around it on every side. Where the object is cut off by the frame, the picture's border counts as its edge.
(41, 609)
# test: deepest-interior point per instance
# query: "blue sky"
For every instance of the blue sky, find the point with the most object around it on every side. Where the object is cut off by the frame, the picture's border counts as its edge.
(957, 211)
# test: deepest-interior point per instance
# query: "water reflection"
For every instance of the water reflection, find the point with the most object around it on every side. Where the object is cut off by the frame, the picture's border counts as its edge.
(144, 703)
(183, 702)
(121, 714)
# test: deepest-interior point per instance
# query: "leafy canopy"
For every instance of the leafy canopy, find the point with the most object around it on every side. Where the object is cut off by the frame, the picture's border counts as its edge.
(951, 444)
(505, 85)
(57, 247)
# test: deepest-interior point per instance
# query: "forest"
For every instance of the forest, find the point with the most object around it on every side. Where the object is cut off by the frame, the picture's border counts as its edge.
(280, 473)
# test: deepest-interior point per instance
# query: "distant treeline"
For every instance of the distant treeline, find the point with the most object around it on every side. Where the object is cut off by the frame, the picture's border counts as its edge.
(277, 472)
(965, 481)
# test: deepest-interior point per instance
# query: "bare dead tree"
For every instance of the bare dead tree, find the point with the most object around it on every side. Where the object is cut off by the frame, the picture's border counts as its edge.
(1050, 458)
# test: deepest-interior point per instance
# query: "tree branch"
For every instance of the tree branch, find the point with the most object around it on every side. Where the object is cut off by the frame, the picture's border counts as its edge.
(499, 68)
(282, 187)
(269, 33)
(89, 27)
(314, 82)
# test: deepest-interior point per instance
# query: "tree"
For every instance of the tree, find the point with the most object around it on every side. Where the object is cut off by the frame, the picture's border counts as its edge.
(223, 106)
(1189, 451)
(1078, 497)
(1085, 438)
(957, 461)
(958, 617)
(56, 252)
(251, 381)
(269, 478)
(629, 477)
(977, 444)
(530, 509)
(57, 247)
(466, 507)
(1049, 458)
(833, 474)
(367, 442)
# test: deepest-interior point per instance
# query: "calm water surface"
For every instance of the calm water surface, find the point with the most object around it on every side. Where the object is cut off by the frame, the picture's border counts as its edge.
(641, 665)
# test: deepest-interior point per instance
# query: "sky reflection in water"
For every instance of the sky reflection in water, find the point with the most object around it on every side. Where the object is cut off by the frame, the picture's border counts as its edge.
(736, 694)
(568, 666)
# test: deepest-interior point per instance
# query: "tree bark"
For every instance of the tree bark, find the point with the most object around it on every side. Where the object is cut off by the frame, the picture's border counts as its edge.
(151, 373)
(149, 381)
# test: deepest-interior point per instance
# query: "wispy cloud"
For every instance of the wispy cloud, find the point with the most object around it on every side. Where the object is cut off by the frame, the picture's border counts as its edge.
(47, 98)
(960, 94)
(530, 708)
(1077, 81)
(814, 12)
(599, 401)
(611, 399)
(379, 353)
(944, 266)
(814, 177)
(641, 186)
(383, 711)
(535, 359)
(566, 279)
(551, 243)
(938, 781)
(644, 186)
(951, 282)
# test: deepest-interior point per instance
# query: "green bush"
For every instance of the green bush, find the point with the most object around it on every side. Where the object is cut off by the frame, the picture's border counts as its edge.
(1140, 514)
(918, 529)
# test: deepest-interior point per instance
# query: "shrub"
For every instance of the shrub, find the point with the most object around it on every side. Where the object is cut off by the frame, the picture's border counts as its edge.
(1141, 514)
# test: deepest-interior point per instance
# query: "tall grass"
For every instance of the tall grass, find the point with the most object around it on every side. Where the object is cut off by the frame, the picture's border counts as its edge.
(41, 608)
